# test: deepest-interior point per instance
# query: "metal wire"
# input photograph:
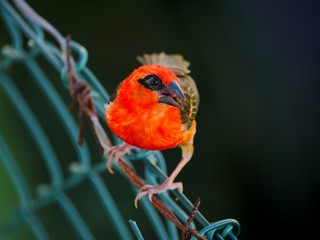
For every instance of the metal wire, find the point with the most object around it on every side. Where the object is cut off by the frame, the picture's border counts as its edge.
(22, 22)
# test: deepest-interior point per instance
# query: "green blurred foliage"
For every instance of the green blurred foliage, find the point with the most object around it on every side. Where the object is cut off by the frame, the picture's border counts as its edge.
(256, 64)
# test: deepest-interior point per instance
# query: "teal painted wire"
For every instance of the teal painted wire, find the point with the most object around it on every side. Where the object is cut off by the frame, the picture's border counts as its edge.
(136, 230)
(176, 209)
(61, 110)
(100, 110)
(95, 84)
(210, 228)
(110, 207)
(32, 16)
(172, 230)
(226, 230)
(13, 32)
(15, 174)
(165, 197)
(56, 101)
(161, 161)
(64, 203)
(71, 182)
(16, 37)
(37, 30)
(23, 25)
(182, 198)
(151, 178)
(79, 65)
(232, 236)
(15, 52)
(138, 154)
(82, 61)
(26, 217)
(21, 187)
(221, 226)
(75, 219)
(82, 54)
(36, 226)
(34, 128)
(154, 218)
(57, 63)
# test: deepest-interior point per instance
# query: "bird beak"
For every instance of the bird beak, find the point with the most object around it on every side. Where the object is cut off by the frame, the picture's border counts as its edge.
(172, 95)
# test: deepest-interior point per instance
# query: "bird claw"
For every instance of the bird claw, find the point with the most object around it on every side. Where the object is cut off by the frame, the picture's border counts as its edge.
(150, 190)
(116, 152)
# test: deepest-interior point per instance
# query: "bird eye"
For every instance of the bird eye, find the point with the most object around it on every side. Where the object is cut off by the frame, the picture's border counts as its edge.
(152, 82)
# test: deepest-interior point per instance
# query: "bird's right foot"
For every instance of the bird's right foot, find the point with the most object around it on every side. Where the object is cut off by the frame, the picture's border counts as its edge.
(117, 152)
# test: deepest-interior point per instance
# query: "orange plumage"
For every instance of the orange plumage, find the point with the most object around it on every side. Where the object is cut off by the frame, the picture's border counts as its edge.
(137, 118)
(154, 108)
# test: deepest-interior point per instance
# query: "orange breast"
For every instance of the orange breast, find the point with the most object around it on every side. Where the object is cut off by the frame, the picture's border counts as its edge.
(154, 128)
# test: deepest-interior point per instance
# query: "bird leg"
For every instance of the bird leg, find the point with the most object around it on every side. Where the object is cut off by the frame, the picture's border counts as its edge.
(117, 152)
(168, 184)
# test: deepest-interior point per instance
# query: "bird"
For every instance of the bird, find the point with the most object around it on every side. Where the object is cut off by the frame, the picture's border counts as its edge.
(155, 108)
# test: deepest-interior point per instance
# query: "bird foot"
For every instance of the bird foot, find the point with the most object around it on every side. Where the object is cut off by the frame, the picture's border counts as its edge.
(117, 152)
(150, 190)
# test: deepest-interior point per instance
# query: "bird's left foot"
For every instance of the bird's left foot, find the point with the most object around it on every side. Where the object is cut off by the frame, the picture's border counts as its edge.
(150, 190)
(117, 152)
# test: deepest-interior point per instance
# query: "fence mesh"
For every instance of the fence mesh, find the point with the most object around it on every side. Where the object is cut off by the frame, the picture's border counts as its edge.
(33, 42)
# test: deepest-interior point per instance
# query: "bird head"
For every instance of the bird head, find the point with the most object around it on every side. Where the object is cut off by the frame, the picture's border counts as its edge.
(153, 84)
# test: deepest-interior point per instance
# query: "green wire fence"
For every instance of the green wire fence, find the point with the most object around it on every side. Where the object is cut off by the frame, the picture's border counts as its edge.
(26, 30)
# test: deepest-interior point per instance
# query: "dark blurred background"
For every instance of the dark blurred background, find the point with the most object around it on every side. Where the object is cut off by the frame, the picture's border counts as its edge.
(256, 64)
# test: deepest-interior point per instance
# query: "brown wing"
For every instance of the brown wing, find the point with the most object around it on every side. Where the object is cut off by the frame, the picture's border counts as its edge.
(180, 67)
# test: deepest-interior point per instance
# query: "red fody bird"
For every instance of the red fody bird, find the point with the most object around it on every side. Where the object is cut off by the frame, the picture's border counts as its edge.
(154, 108)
